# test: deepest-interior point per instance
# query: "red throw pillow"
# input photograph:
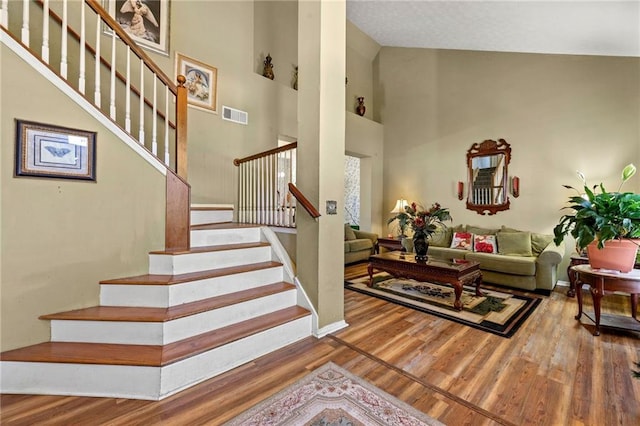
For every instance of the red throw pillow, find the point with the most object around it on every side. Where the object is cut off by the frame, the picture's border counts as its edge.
(462, 241)
(485, 244)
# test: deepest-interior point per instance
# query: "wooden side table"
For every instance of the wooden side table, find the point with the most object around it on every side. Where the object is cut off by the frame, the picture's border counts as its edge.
(602, 283)
(575, 260)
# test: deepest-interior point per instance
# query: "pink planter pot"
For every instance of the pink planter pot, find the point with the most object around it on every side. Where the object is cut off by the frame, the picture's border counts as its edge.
(617, 255)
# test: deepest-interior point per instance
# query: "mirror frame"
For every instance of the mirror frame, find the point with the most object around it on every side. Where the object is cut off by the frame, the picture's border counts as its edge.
(488, 147)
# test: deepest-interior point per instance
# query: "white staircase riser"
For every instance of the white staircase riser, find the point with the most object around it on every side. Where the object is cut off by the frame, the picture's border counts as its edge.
(193, 262)
(164, 296)
(150, 383)
(214, 237)
(162, 333)
(191, 371)
(203, 217)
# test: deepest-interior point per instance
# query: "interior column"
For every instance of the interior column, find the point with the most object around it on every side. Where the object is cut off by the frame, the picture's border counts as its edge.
(321, 147)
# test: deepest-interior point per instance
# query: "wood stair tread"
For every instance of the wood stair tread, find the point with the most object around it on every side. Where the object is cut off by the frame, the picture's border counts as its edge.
(224, 225)
(140, 314)
(159, 279)
(206, 249)
(150, 355)
(204, 207)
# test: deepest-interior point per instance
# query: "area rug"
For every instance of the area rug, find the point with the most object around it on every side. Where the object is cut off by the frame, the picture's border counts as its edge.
(329, 396)
(496, 312)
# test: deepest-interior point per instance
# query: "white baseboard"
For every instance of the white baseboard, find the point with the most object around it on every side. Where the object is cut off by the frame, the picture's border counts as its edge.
(331, 328)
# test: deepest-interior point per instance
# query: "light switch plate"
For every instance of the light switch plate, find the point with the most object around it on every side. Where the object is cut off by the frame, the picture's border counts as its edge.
(332, 207)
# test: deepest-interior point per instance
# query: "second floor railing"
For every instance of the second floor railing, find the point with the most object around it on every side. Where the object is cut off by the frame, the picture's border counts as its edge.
(263, 187)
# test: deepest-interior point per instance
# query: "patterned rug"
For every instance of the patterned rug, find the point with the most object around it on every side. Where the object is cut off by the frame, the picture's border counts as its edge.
(496, 312)
(331, 396)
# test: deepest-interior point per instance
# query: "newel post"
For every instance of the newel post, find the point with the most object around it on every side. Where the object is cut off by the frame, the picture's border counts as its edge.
(181, 128)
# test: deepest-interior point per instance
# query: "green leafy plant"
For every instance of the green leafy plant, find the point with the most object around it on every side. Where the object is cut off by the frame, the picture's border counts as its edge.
(600, 215)
(423, 222)
(636, 373)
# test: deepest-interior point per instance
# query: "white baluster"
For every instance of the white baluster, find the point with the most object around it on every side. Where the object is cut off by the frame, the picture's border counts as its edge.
(25, 22)
(63, 49)
(45, 31)
(97, 95)
(166, 125)
(112, 93)
(141, 132)
(154, 118)
(127, 113)
(82, 76)
(4, 14)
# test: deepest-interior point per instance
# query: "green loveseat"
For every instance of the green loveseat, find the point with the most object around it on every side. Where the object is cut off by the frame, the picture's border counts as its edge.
(525, 260)
(358, 245)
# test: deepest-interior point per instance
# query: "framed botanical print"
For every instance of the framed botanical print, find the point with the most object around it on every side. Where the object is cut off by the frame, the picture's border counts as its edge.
(45, 150)
(145, 21)
(201, 84)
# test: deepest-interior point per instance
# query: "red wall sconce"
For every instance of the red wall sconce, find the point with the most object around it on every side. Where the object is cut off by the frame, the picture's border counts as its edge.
(460, 190)
(515, 186)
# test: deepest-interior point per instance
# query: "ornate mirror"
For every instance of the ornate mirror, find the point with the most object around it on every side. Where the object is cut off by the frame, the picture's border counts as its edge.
(487, 182)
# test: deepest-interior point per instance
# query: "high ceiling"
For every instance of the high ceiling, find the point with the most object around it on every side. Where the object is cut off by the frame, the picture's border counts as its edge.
(604, 27)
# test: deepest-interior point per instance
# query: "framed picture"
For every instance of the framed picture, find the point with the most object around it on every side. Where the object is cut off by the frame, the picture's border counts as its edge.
(145, 21)
(44, 150)
(202, 82)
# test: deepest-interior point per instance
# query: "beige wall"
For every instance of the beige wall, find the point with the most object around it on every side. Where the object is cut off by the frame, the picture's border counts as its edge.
(560, 114)
(225, 40)
(361, 52)
(59, 238)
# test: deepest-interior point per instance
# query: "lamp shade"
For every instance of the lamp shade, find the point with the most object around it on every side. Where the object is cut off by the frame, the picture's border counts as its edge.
(400, 205)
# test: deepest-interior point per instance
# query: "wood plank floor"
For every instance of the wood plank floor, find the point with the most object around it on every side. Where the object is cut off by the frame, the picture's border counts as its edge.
(552, 372)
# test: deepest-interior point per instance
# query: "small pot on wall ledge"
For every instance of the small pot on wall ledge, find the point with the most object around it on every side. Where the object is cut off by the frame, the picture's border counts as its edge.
(617, 255)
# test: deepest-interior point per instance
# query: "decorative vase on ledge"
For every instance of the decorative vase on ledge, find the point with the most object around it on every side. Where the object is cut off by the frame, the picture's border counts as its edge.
(420, 247)
(360, 108)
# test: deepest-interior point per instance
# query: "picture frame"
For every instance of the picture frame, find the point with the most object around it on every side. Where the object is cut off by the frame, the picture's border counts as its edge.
(201, 84)
(49, 151)
(145, 21)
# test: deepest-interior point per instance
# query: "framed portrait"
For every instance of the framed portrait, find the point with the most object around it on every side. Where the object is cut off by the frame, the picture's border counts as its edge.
(201, 84)
(145, 21)
(44, 150)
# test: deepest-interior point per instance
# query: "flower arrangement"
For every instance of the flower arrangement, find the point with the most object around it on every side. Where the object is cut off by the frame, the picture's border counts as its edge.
(423, 222)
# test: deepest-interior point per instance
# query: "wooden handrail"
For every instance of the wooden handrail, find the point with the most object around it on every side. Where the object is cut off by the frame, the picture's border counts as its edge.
(238, 161)
(106, 63)
(313, 212)
(97, 7)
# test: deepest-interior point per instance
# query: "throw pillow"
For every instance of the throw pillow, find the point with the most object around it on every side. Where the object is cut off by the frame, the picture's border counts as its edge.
(348, 233)
(476, 230)
(441, 238)
(485, 244)
(462, 240)
(507, 229)
(514, 243)
(539, 242)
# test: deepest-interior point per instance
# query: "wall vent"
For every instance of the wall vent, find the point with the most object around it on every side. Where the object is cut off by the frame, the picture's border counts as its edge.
(234, 115)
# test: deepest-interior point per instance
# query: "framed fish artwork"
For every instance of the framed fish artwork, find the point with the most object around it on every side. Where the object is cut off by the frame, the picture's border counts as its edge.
(48, 151)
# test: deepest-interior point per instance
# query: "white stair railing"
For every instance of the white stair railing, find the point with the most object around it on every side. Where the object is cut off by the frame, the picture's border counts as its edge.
(263, 187)
(67, 26)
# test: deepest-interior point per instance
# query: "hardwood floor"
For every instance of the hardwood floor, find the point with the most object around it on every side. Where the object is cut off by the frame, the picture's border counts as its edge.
(553, 371)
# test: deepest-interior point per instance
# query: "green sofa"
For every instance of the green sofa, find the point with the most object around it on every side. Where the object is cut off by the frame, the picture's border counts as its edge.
(358, 245)
(525, 260)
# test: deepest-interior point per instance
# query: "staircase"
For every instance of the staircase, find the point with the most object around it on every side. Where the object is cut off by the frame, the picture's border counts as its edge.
(198, 313)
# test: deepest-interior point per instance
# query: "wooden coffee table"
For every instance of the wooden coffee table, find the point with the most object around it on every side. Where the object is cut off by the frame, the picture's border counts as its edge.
(455, 272)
